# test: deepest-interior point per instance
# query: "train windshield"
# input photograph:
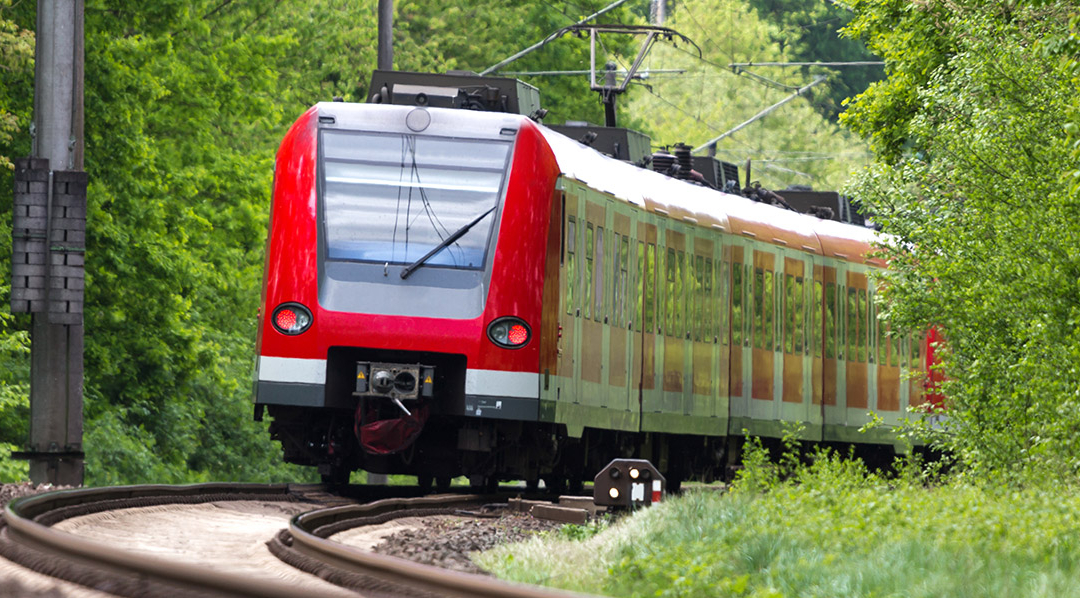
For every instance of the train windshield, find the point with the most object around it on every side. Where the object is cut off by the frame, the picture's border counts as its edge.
(392, 198)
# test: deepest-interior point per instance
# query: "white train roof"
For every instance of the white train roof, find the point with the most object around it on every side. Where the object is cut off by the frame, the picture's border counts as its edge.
(708, 207)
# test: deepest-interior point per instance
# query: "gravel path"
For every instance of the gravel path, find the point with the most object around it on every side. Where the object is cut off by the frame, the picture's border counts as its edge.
(444, 541)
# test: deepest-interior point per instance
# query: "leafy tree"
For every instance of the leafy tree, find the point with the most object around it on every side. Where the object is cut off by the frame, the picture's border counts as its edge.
(970, 132)
(16, 62)
(809, 33)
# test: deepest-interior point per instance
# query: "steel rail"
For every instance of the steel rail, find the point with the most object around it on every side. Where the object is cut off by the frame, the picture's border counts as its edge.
(309, 536)
(26, 524)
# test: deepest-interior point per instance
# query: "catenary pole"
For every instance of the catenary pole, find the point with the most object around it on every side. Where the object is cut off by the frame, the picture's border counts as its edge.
(56, 357)
(386, 35)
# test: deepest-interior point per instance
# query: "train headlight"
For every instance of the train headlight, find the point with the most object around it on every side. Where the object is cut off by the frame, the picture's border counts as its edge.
(509, 332)
(291, 318)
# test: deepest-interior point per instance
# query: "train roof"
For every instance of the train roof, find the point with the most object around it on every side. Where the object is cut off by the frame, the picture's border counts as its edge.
(706, 207)
(655, 192)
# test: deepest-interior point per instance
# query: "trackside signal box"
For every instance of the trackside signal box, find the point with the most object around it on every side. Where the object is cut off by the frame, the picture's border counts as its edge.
(628, 483)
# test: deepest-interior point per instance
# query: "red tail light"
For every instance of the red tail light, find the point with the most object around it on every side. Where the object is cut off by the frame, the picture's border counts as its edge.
(509, 332)
(291, 318)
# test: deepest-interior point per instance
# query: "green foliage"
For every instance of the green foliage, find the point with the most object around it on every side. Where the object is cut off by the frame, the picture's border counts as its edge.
(809, 33)
(580, 533)
(792, 146)
(972, 186)
(16, 59)
(14, 393)
(16, 65)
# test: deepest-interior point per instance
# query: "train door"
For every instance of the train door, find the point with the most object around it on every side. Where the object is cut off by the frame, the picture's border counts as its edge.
(551, 318)
(796, 292)
(652, 347)
(592, 348)
(767, 365)
(790, 283)
(678, 353)
(816, 315)
(637, 317)
(722, 330)
(834, 365)
(701, 324)
(568, 391)
(741, 321)
(617, 317)
(857, 391)
(889, 393)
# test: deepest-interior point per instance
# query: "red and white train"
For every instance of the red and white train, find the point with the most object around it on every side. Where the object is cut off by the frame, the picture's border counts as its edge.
(455, 292)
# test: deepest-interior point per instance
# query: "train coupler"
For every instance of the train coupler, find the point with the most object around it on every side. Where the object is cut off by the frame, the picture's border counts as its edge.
(394, 381)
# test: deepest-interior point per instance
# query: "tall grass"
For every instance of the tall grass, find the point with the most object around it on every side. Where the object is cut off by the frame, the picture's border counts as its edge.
(830, 528)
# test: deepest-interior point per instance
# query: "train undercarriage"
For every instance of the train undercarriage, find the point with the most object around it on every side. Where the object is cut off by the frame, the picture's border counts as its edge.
(490, 451)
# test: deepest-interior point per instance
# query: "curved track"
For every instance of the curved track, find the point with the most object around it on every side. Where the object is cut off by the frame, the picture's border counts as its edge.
(27, 537)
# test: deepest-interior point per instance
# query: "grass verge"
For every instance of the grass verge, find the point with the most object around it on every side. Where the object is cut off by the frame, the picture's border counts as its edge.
(831, 528)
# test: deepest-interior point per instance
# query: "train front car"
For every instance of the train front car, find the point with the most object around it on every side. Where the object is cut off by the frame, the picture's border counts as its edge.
(401, 319)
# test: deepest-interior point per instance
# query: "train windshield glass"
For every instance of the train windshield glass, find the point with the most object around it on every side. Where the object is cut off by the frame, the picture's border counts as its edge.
(391, 198)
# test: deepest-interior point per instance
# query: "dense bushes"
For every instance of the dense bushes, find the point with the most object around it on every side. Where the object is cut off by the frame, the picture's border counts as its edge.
(973, 151)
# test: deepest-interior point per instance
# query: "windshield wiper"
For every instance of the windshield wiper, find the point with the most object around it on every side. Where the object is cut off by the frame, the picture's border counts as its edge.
(446, 243)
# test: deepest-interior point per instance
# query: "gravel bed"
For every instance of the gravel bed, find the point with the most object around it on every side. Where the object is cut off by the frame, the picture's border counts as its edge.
(447, 543)
(9, 492)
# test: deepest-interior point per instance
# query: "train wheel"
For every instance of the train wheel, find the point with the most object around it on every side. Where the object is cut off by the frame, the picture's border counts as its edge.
(337, 478)
(576, 485)
(484, 484)
(442, 483)
(424, 481)
(532, 485)
(555, 484)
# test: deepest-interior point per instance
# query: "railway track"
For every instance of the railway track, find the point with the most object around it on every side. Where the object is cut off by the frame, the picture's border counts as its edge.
(31, 535)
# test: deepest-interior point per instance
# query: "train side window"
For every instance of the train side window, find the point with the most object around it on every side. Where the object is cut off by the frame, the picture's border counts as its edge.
(886, 337)
(708, 299)
(616, 279)
(724, 283)
(830, 320)
(894, 348)
(571, 265)
(773, 311)
(789, 313)
(759, 309)
(871, 328)
(800, 315)
(623, 284)
(691, 289)
(669, 292)
(683, 296)
(598, 311)
(737, 304)
(695, 319)
(815, 317)
(650, 289)
(587, 296)
(852, 323)
(882, 341)
(869, 324)
(863, 320)
(639, 296)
